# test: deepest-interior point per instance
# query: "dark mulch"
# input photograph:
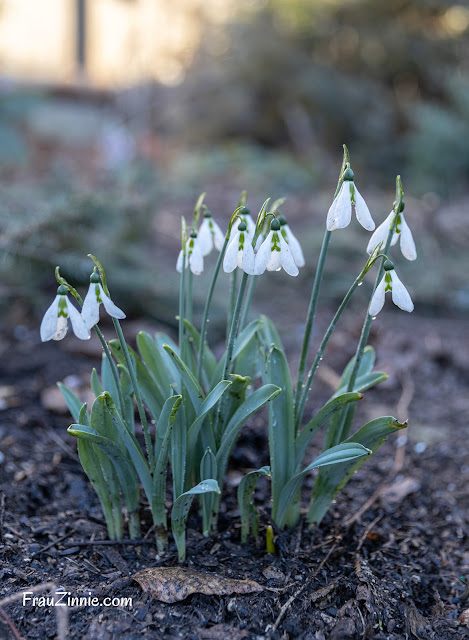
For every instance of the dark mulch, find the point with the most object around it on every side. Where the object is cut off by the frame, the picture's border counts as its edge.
(393, 568)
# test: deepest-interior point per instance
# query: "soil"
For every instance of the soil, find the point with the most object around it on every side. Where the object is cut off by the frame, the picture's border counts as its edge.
(390, 560)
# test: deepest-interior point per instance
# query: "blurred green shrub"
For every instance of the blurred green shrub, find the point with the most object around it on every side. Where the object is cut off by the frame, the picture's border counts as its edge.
(314, 75)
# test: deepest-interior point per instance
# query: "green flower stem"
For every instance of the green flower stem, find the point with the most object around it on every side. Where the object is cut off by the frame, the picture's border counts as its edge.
(188, 313)
(247, 306)
(115, 373)
(138, 397)
(208, 302)
(310, 319)
(349, 412)
(315, 292)
(234, 326)
(182, 285)
(231, 301)
(325, 340)
(231, 340)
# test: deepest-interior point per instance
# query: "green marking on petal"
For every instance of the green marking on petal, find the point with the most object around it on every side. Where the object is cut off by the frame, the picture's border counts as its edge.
(282, 231)
(398, 223)
(98, 294)
(388, 287)
(275, 242)
(63, 307)
(388, 277)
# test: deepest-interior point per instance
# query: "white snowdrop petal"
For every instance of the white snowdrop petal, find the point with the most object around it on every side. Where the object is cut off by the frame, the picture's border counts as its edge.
(218, 236)
(407, 242)
(248, 258)
(180, 261)
(340, 212)
(263, 255)
(286, 258)
(61, 328)
(205, 237)
(230, 261)
(400, 295)
(377, 300)
(380, 234)
(112, 309)
(294, 247)
(362, 212)
(78, 324)
(196, 259)
(274, 262)
(49, 321)
(90, 309)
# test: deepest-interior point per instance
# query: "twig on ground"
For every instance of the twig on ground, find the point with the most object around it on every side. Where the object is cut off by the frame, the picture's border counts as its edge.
(60, 612)
(367, 531)
(7, 619)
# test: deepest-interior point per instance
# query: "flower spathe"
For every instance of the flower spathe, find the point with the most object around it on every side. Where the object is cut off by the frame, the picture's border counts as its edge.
(239, 252)
(93, 299)
(210, 235)
(390, 282)
(292, 242)
(401, 232)
(54, 325)
(274, 253)
(194, 257)
(340, 211)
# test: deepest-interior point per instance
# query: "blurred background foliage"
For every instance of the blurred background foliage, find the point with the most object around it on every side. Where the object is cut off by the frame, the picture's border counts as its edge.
(265, 102)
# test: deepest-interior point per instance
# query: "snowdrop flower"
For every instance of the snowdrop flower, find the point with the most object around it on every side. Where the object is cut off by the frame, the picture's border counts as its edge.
(54, 324)
(210, 235)
(239, 252)
(340, 212)
(390, 282)
(293, 243)
(402, 232)
(94, 297)
(245, 216)
(194, 257)
(274, 253)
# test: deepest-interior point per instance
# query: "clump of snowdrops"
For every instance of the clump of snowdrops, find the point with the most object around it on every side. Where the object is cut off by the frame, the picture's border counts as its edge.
(192, 406)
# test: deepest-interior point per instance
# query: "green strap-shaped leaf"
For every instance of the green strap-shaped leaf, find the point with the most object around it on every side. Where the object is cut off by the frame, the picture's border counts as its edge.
(332, 479)
(124, 469)
(173, 372)
(249, 515)
(150, 393)
(179, 457)
(180, 512)
(281, 426)
(269, 334)
(208, 469)
(190, 381)
(120, 433)
(163, 438)
(254, 402)
(128, 396)
(155, 362)
(242, 342)
(323, 415)
(208, 404)
(366, 365)
(74, 403)
(104, 481)
(107, 379)
(95, 382)
(342, 453)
